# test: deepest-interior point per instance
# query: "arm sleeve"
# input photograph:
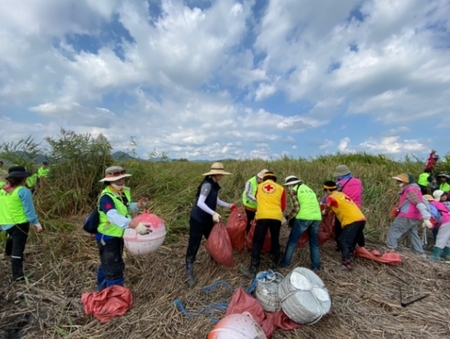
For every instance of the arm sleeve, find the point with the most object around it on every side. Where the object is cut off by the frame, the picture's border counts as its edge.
(222, 203)
(133, 207)
(107, 206)
(202, 205)
(28, 206)
(283, 201)
(424, 211)
(295, 206)
(248, 191)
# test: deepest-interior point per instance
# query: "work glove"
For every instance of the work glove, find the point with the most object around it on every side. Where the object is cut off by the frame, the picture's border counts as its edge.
(427, 223)
(232, 207)
(142, 202)
(216, 217)
(142, 229)
(324, 211)
(38, 227)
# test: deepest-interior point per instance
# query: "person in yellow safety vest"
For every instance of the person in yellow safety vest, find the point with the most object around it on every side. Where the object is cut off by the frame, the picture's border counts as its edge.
(271, 199)
(424, 180)
(248, 197)
(115, 208)
(443, 181)
(3, 175)
(16, 213)
(42, 173)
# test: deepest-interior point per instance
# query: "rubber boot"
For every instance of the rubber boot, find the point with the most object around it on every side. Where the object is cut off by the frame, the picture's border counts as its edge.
(17, 269)
(436, 253)
(190, 274)
(446, 254)
(251, 271)
(101, 279)
(119, 282)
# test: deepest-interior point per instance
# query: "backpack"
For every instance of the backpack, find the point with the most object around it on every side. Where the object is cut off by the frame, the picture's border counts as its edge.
(92, 221)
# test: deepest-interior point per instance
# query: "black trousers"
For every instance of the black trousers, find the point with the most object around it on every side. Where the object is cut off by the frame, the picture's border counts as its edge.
(196, 231)
(111, 251)
(250, 217)
(15, 246)
(361, 240)
(349, 237)
(262, 226)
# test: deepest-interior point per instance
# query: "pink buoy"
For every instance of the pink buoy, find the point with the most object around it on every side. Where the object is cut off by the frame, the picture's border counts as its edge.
(145, 244)
(237, 326)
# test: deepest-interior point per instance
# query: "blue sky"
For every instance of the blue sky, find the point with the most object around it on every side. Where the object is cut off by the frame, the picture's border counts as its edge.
(230, 79)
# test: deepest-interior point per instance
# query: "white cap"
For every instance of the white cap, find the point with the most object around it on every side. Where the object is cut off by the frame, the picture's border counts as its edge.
(261, 173)
(437, 195)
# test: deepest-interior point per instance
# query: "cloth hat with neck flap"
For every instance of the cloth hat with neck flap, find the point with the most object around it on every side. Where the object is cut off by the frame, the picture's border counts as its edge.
(437, 194)
(406, 178)
(18, 172)
(340, 171)
(216, 168)
(114, 173)
(261, 173)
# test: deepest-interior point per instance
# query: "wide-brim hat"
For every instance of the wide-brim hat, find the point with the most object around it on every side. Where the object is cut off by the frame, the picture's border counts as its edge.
(340, 171)
(291, 180)
(443, 174)
(115, 173)
(403, 177)
(428, 197)
(18, 172)
(261, 173)
(216, 168)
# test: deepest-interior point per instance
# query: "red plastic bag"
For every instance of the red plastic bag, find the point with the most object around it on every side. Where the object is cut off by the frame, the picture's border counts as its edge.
(219, 245)
(241, 302)
(111, 302)
(236, 224)
(386, 258)
(326, 231)
(267, 241)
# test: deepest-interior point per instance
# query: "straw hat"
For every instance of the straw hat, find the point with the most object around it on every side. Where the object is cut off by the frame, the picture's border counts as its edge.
(115, 173)
(291, 180)
(340, 171)
(18, 172)
(260, 175)
(403, 177)
(428, 197)
(216, 168)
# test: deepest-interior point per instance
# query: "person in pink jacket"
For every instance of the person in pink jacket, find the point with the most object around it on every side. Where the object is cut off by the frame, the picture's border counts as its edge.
(413, 212)
(441, 248)
(353, 188)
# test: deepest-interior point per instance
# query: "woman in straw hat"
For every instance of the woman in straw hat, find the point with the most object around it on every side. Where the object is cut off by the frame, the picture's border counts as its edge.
(115, 208)
(203, 214)
(16, 213)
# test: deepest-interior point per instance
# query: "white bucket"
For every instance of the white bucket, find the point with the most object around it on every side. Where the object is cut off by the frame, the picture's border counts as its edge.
(303, 296)
(266, 291)
(145, 244)
(237, 326)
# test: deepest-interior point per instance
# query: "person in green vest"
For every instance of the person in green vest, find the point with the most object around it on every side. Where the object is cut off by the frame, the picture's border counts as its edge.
(3, 175)
(307, 215)
(424, 180)
(32, 181)
(443, 181)
(248, 197)
(42, 173)
(115, 208)
(16, 214)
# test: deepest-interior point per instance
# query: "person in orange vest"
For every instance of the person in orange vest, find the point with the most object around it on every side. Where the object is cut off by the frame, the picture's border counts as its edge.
(248, 197)
(271, 199)
(351, 218)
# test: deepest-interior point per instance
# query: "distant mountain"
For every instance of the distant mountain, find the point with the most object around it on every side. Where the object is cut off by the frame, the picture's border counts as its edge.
(119, 155)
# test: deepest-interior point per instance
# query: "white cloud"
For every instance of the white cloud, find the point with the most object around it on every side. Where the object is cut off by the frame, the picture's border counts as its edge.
(392, 145)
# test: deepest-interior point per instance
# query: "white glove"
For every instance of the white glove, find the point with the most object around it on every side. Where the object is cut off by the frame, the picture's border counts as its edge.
(216, 217)
(427, 223)
(142, 229)
(324, 211)
(38, 227)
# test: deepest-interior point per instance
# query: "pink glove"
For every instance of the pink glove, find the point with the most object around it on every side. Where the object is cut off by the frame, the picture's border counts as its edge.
(142, 202)
(232, 207)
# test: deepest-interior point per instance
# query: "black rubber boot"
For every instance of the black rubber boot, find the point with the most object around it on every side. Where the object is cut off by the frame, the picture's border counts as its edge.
(251, 271)
(190, 274)
(17, 269)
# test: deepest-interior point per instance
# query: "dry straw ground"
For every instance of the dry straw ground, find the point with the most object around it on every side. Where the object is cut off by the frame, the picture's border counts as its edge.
(366, 301)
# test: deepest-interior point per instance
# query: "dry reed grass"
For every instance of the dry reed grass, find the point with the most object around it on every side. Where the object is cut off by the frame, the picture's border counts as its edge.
(366, 301)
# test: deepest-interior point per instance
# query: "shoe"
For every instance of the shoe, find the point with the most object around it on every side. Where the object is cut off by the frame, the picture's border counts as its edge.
(249, 272)
(345, 266)
(190, 274)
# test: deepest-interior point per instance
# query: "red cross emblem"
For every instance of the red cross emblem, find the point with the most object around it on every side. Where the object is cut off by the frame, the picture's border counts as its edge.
(269, 188)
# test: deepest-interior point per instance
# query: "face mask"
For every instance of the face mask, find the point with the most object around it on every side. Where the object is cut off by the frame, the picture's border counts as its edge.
(401, 184)
(117, 187)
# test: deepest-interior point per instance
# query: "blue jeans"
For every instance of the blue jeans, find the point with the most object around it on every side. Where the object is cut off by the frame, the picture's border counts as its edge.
(300, 226)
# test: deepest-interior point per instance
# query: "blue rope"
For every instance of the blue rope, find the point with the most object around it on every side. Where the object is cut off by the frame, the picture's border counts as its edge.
(221, 305)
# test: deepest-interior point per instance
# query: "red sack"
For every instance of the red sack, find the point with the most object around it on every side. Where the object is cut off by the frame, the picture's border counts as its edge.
(241, 302)
(219, 245)
(386, 258)
(236, 224)
(326, 231)
(267, 241)
(108, 303)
